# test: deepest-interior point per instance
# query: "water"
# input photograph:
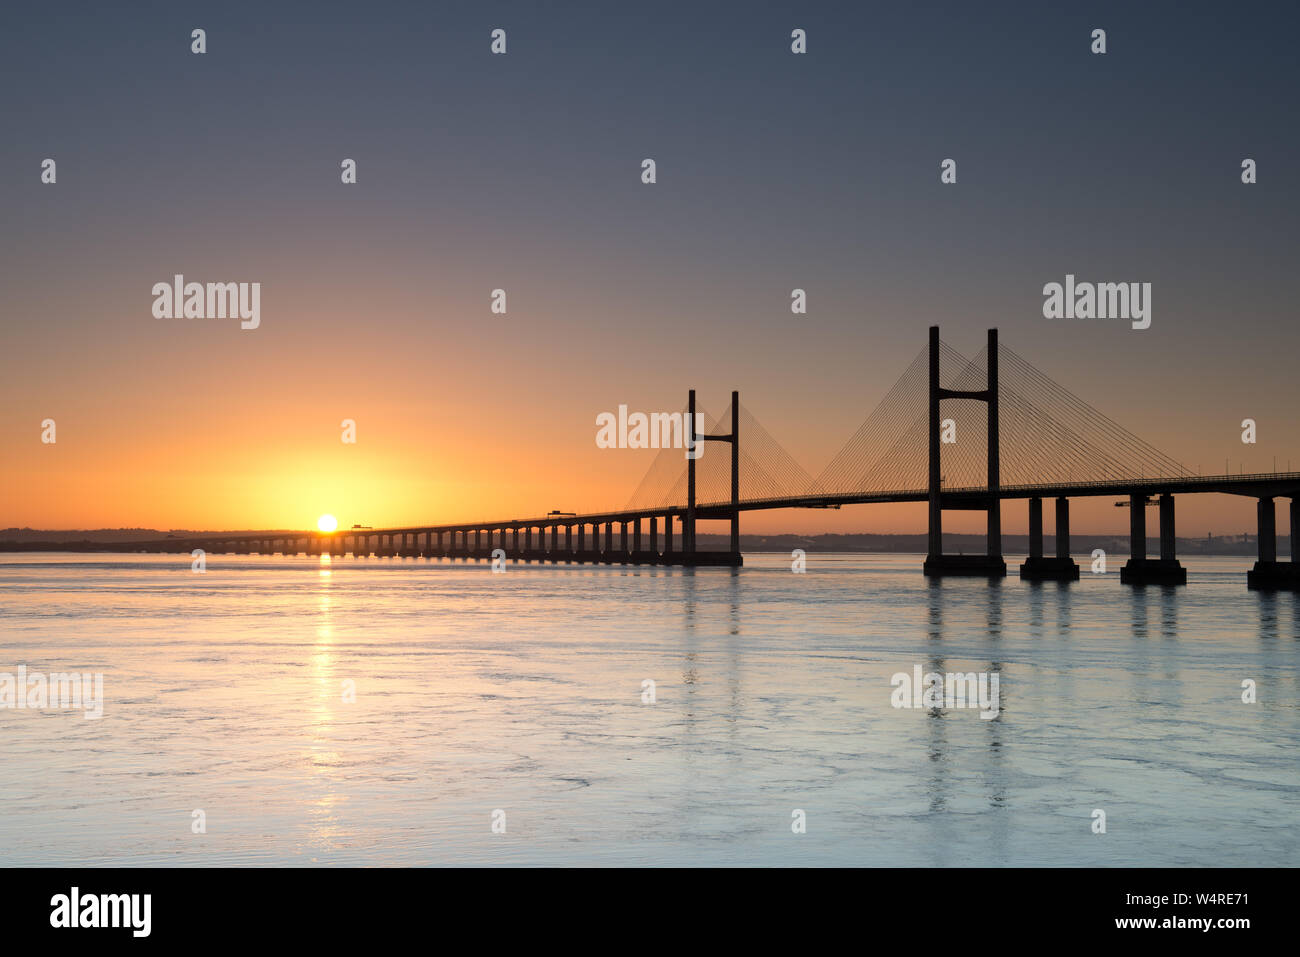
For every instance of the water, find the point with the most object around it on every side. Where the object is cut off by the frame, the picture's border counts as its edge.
(522, 692)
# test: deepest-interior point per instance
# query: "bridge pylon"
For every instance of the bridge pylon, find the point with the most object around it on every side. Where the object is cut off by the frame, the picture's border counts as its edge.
(991, 564)
(691, 556)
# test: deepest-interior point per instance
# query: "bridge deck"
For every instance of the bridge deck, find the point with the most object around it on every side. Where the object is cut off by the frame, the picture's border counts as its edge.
(1260, 485)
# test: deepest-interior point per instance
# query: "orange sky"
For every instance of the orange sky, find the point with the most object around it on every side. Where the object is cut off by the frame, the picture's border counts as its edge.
(188, 446)
(198, 424)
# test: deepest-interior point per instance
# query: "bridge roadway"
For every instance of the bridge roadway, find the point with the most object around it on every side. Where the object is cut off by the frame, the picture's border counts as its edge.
(655, 536)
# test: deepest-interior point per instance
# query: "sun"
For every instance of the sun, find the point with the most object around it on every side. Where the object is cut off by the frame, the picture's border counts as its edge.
(327, 523)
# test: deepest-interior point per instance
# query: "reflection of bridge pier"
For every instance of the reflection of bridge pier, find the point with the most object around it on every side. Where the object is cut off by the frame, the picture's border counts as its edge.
(1140, 570)
(1039, 568)
(1268, 571)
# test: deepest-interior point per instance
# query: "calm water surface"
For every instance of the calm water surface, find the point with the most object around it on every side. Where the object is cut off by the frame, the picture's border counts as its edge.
(522, 691)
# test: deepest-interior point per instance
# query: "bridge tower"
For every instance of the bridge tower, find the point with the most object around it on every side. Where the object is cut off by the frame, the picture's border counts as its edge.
(730, 512)
(990, 564)
(688, 521)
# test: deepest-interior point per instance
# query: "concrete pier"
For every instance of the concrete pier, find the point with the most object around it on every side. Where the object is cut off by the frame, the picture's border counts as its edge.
(1060, 567)
(1269, 573)
(1140, 570)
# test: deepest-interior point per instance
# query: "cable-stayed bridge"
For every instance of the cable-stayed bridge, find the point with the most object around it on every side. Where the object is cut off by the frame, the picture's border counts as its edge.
(957, 433)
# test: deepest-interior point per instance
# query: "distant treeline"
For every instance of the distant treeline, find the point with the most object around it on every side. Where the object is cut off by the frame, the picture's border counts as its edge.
(99, 539)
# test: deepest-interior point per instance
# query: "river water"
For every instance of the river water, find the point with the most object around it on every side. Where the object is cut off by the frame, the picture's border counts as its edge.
(409, 712)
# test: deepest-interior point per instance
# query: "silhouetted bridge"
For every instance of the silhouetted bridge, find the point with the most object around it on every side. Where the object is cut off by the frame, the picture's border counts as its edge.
(1048, 441)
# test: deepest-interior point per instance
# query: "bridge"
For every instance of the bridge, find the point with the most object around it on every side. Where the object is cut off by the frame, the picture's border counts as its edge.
(956, 433)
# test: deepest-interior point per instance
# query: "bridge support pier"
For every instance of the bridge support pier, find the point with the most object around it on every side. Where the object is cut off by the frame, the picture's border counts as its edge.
(1140, 570)
(1269, 573)
(1037, 567)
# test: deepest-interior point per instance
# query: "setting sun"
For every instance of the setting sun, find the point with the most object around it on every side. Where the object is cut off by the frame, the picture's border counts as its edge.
(327, 523)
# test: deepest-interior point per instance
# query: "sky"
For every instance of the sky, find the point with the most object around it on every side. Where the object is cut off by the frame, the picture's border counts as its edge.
(522, 172)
